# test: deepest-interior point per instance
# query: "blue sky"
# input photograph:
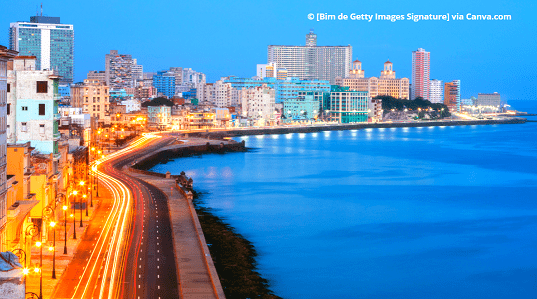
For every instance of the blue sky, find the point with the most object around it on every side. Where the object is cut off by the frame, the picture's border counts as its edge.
(222, 38)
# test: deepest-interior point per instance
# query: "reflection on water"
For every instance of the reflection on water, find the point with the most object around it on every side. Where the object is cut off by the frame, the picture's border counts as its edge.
(426, 213)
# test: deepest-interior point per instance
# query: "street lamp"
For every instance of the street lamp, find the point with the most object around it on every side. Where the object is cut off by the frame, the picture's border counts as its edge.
(80, 207)
(65, 228)
(53, 248)
(84, 197)
(73, 215)
(40, 269)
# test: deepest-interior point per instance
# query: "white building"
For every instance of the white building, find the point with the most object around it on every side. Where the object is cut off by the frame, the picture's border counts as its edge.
(436, 91)
(258, 103)
(74, 115)
(131, 105)
(218, 94)
(488, 99)
(159, 116)
(312, 62)
(137, 71)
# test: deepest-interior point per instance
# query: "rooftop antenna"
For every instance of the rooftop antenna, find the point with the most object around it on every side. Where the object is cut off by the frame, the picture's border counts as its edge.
(41, 8)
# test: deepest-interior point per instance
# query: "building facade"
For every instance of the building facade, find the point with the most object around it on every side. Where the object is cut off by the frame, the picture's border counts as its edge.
(164, 82)
(385, 85)
(305, 107)
(51, 42)
(420, 74)
(258, 103)
(285, 89)
(488, 99)
(436, 91)
(452, 95)
(96, 75)
(312, 62)
(93, 97)
(159, 116)
(5, 56)
(33, 105)
(120, 70)
(348, 106)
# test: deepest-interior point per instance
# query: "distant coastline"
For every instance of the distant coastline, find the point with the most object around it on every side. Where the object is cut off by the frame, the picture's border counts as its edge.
(235, 132)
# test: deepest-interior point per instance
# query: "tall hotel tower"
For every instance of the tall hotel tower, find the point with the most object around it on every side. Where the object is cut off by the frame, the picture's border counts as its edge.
(52, 43)
(312, 62)
(420, 74)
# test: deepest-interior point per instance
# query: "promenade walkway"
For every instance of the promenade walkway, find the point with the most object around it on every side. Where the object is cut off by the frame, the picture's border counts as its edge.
(63, 261)
(197, 275)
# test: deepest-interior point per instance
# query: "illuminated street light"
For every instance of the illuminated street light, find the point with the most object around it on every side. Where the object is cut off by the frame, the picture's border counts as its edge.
(65, 229)
(53, 249)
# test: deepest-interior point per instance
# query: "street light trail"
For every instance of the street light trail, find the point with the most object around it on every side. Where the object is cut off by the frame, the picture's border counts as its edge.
(107, 257)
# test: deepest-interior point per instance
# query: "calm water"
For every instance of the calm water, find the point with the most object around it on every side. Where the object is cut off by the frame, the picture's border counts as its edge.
(444, 212)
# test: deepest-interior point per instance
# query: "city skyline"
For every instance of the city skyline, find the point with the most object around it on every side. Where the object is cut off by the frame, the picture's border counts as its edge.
(465, 50)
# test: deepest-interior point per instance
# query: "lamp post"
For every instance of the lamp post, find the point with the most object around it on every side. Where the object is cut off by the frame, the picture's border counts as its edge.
(22, 254)
(53, 248)
(65, 229)
(31, 230)
(80, 207)
(73, 214)
(97, 173)
(40, 269)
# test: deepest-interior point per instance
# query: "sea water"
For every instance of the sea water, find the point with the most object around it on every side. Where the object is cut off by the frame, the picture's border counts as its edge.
(433, 212)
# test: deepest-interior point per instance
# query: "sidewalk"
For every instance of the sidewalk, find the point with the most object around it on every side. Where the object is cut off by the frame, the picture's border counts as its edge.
(62, 260)
(196, 273)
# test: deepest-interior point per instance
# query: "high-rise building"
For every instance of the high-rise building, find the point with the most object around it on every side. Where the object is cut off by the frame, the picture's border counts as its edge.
(385, 85)
(52, 43)
(164, 82)
(420, 74)
(436, 91)
(121, 71)
(137, 71)
(312, 62)
(452, 95)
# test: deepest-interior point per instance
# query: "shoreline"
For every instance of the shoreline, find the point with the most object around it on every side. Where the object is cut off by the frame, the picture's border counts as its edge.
(233, 256)
(221, 235)
(236, 132)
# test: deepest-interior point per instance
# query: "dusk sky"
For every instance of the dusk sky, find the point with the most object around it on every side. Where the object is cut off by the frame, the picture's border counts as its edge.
(222, 38)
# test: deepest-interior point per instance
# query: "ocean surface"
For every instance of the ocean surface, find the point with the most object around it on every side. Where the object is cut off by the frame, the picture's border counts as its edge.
(439, 212)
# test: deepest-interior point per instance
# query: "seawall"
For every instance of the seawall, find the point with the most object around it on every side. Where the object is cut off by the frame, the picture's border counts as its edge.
(355, 126)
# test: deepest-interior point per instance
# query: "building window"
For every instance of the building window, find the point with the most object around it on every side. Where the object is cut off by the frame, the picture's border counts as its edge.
(8, 108)
(24, 108)
(41, 129)
(24, 128)
(8, 87)
(42, 86)
(41, 109)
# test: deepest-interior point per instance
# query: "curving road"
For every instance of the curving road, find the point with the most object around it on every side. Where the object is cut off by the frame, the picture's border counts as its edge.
(127, 251)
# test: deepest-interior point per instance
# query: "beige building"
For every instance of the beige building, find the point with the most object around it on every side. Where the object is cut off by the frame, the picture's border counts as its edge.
(386, 85)
(93, 97)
